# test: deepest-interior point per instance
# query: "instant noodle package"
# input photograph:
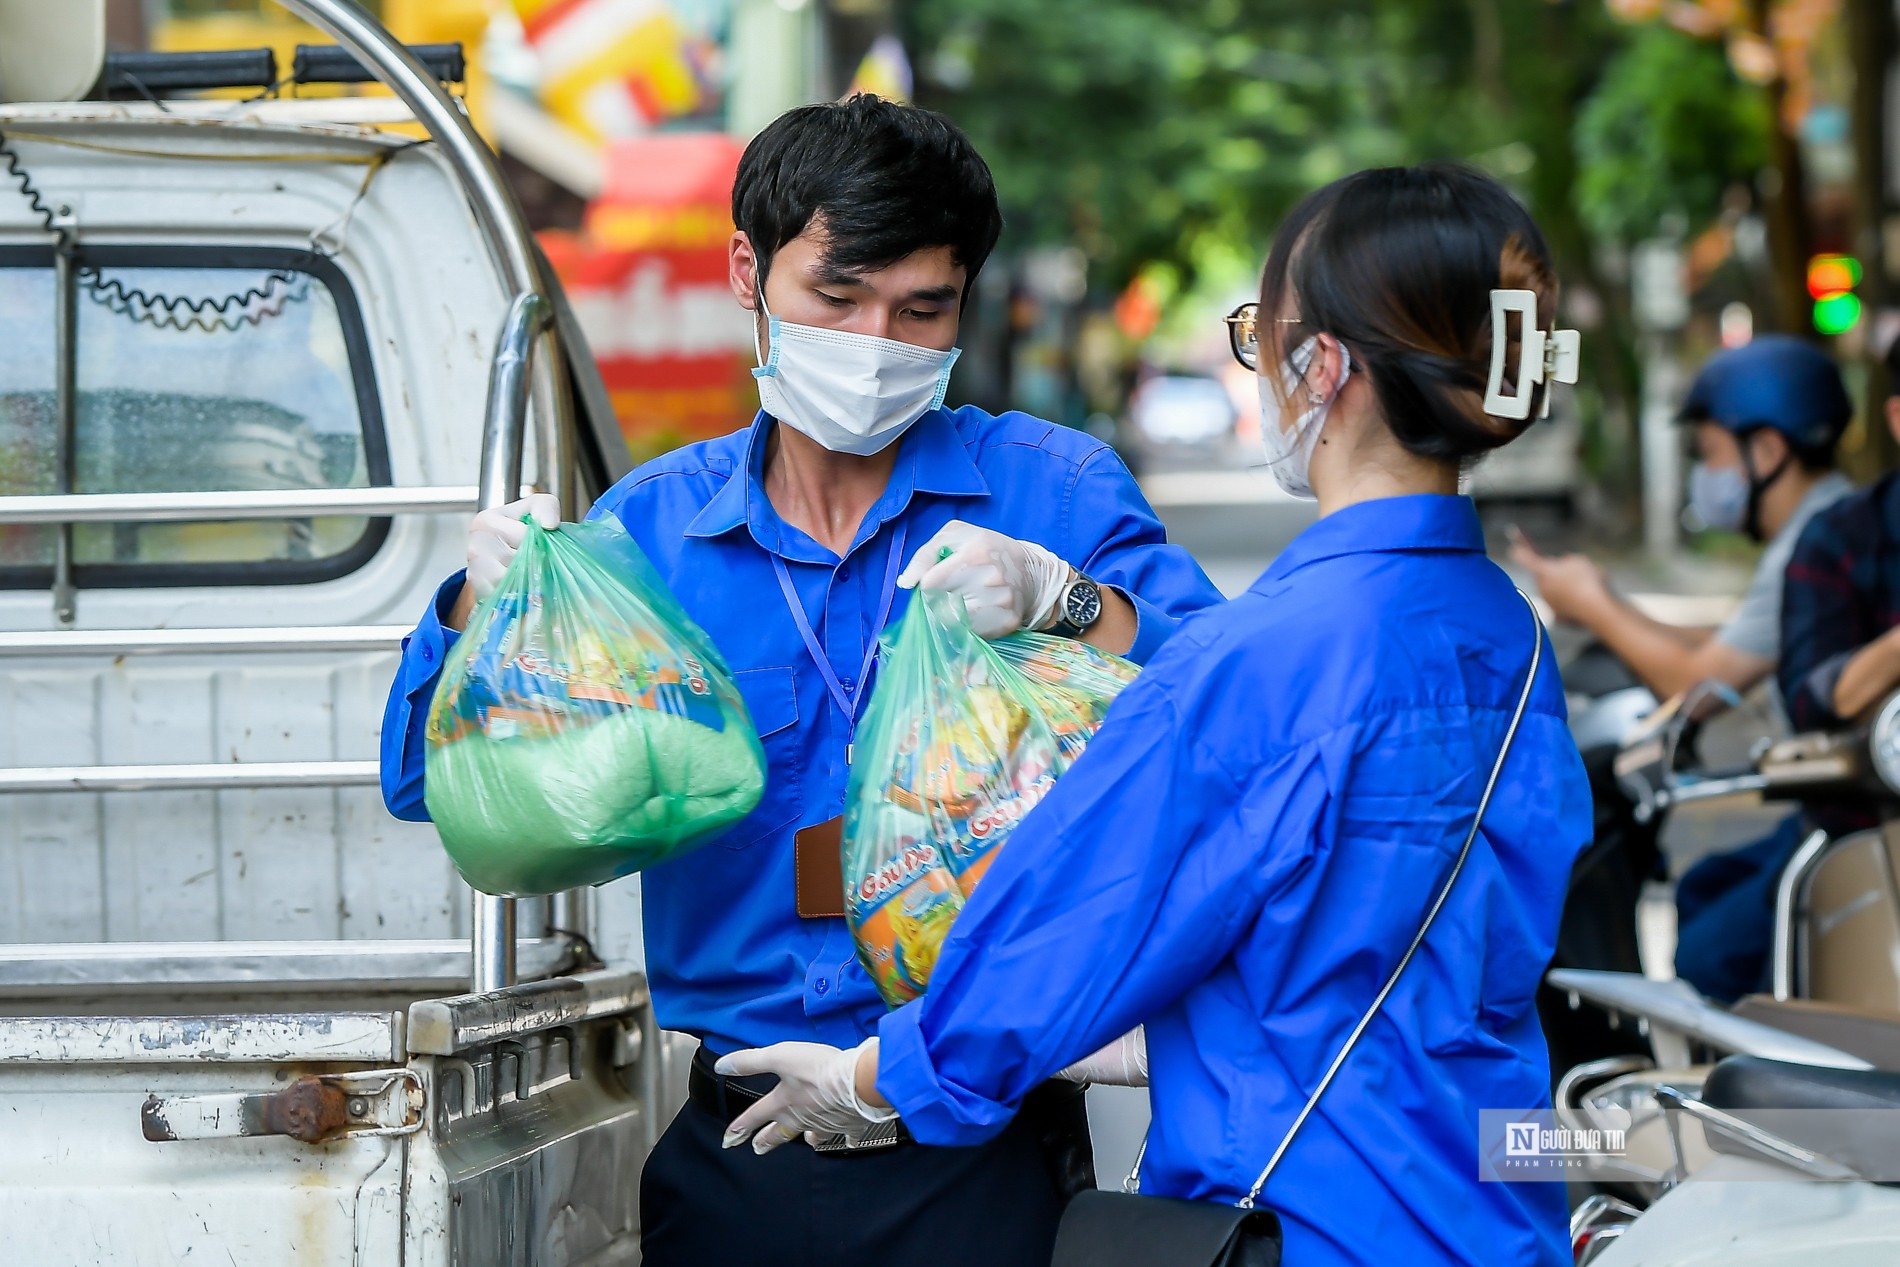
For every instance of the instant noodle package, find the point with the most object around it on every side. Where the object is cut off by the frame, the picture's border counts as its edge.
(962, 737)
(584, 727)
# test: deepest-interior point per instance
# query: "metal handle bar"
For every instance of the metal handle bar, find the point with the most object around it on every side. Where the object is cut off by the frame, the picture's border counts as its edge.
(1751, 1136)
(508, 380)
(480, 171)
(1710, 789)
(275, 503)
(125, 642)
(220, 776)
(492, 919)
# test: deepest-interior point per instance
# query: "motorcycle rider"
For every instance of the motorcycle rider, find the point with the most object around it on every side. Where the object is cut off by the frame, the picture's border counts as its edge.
(1840, 610)
(1767, 416)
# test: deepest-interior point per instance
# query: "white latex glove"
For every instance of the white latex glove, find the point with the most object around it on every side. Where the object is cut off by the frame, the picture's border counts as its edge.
(817, 1093)
(1123, 1063)
(495, 535)
(1006, 584)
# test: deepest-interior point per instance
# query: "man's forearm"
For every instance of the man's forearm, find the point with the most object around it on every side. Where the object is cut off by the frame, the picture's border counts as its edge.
(1663, 656)
(457, 619)
(1874, 670)
(1114, 631)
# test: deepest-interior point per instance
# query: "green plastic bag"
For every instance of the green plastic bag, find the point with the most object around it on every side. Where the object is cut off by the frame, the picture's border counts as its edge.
(584, 726)
(961, 738)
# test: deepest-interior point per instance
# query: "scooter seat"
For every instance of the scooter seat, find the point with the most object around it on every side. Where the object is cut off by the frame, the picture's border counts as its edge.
(1874, 1037)
(1850, 1116)
(1749, 1082)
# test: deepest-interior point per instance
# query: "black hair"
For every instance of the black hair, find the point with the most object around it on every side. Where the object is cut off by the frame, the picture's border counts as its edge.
(1398, 264)
(884, 179)
(1892, 359)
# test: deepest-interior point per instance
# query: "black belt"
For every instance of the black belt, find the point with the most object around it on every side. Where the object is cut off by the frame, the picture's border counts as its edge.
(727, 1097)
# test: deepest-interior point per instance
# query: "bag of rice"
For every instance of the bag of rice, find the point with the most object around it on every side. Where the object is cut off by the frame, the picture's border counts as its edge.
(584, 727)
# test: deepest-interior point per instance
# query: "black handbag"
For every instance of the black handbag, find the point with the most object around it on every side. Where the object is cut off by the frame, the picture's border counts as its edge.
(1126, 1229)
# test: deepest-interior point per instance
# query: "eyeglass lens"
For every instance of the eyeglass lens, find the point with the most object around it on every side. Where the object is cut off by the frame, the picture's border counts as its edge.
(1244, 333)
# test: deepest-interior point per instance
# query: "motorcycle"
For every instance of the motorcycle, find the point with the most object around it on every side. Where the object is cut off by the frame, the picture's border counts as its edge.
(1598, 929)
(1787, 1088)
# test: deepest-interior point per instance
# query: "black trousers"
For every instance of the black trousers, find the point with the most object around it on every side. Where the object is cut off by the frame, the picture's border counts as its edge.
(993, 1205)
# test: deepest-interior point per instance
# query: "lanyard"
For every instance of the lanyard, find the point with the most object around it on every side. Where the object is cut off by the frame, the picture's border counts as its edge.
(847, 701)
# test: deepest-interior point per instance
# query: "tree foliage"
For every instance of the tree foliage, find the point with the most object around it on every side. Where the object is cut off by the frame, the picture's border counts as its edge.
(1667, 132)
(1141, 129)
(1168, 132)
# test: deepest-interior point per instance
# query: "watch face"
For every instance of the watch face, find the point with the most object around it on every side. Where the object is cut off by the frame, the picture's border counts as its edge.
(1083, 604)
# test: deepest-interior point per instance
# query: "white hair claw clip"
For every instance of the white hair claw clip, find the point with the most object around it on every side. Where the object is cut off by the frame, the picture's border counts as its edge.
(1544, 356)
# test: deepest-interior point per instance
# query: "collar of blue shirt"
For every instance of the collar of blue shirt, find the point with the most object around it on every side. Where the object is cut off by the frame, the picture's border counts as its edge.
(931, 458)
(1423, 521)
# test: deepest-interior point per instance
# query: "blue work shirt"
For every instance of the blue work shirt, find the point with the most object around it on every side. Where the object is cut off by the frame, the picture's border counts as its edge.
(1241, 857)
(728, 957)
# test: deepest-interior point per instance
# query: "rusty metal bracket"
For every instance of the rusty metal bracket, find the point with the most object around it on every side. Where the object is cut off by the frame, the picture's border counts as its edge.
(315, 1109)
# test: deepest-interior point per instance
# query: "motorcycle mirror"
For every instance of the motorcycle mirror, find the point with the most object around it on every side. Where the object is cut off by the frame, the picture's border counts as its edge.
(1883, 743)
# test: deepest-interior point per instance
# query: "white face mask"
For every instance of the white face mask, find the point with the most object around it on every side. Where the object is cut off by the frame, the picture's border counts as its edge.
(1290, 453)
(852, 393)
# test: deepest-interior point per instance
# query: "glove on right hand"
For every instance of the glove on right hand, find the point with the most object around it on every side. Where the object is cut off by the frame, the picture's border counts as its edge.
(494, 536)
(1122, 1063)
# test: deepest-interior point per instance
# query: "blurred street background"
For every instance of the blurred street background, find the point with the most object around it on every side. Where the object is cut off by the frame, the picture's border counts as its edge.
(1704, 171)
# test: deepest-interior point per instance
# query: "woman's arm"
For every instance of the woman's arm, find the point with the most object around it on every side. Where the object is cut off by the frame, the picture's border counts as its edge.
(1140, 872)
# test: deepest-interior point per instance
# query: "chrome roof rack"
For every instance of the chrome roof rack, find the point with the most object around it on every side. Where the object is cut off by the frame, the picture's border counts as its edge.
(525, 367)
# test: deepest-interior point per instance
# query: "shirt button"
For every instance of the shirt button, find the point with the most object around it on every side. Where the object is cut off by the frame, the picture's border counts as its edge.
(849, 684)
(428, 655)
(844, 572)
(822, 986)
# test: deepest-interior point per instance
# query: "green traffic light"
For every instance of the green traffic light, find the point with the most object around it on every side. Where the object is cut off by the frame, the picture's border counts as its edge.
(1837, 314)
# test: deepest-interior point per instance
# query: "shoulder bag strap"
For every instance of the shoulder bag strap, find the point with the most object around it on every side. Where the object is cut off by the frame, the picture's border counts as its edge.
(1444, 891)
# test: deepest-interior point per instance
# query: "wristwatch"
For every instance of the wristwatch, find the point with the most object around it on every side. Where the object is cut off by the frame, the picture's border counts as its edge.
(1079, 607)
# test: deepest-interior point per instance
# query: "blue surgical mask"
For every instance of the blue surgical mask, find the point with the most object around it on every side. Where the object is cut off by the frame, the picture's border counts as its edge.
(1719, 495)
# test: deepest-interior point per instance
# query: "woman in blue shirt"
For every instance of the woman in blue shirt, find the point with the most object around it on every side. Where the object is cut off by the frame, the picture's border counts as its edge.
(1242, 857)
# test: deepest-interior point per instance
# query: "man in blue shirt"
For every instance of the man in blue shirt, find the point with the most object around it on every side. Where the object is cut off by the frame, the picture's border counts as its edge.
(860, 227)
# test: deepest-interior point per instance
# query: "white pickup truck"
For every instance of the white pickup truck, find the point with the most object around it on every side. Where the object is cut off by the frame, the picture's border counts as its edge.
(258, 362)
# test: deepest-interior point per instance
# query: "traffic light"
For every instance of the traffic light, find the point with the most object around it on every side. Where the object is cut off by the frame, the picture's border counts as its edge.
(1831, 282)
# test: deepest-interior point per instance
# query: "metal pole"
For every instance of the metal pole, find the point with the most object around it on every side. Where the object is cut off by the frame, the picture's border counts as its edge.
(492, 922)
(508, 378)
(493, 919)
(271, 503)
(1788, 902)
(1661, 447)
(66, 409)
(568, 913)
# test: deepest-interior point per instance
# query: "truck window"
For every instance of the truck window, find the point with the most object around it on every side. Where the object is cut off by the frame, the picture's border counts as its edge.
(275, 392)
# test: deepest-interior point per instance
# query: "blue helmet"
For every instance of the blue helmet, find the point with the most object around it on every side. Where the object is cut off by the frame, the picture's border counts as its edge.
(1774, 381)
